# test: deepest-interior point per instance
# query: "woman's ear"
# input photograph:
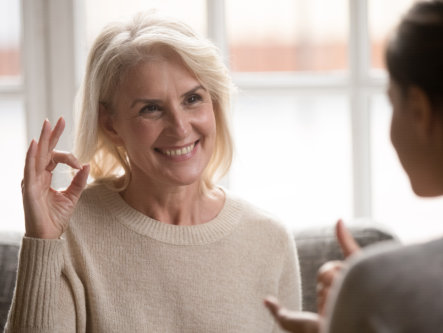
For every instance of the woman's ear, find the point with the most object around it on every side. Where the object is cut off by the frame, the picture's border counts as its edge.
(106, 121)
(422, 113)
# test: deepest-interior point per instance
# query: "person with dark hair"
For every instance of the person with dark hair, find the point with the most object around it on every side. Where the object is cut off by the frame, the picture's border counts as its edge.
(390, 288)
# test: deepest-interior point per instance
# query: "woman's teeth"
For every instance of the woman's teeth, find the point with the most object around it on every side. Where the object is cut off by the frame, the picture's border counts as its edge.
(178, 152)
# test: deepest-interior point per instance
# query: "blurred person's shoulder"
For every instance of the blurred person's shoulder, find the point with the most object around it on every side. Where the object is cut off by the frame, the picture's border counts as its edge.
(398, 288)
(399, 258)
(393, 277)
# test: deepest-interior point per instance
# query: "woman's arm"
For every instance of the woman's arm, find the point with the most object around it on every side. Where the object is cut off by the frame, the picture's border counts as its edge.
(43, 300)
(41, 294)
(289, 288)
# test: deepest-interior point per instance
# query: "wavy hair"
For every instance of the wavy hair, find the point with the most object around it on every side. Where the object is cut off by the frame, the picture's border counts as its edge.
(122, 45)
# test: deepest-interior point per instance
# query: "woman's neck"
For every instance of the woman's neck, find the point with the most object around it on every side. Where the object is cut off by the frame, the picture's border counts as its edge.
(178, 205)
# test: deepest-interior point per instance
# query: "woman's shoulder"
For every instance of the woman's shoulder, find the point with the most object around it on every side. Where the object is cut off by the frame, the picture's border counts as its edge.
(96, 198)
(95, 193)
(256, 217)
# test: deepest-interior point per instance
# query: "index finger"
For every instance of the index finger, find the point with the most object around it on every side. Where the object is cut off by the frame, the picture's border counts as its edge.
(56, 133)
(345, 239)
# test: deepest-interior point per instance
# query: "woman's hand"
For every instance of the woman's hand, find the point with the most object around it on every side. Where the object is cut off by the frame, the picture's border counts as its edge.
(329, 271)
(293, 321)
(47, 211)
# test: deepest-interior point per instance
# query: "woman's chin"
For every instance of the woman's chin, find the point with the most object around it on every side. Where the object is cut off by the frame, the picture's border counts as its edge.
(426, 190)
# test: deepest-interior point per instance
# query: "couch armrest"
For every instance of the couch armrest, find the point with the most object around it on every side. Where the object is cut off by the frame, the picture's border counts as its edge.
(9, 248)
(318, 245)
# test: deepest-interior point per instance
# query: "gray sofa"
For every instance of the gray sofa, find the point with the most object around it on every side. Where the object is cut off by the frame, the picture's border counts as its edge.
(315, 246)
(318, 245)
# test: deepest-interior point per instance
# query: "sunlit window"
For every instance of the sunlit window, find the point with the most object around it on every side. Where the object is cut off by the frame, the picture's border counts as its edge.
(383, 16)
(294, 154)
(12, 118)
(9, 38)
(287, 35)
(310, 120)
(101, 12)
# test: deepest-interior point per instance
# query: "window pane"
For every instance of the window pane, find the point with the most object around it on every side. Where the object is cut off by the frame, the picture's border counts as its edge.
(9, 38)
(394, 204)
(383, 18)
(12, 147)
(293, 156)
(287, 35)
(101, 12)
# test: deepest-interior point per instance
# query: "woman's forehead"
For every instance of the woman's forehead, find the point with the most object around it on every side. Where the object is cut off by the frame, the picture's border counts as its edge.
(156, 79)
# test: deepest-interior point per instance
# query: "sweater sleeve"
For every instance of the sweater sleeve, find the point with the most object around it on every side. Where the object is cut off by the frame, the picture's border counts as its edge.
(41, 295)
(289, 289)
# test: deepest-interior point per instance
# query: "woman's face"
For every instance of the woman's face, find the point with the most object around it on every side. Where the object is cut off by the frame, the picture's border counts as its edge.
(165, 120)
(407, 139)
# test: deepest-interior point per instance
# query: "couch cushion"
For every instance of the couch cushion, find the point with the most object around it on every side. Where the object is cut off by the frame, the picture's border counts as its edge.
(9, 247)
(315, 246)
(318, 245)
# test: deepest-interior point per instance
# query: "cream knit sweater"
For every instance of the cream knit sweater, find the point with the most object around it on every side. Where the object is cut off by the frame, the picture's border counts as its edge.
(117, 270)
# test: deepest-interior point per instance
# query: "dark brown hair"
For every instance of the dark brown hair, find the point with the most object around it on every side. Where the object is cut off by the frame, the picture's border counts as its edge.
(414, 55)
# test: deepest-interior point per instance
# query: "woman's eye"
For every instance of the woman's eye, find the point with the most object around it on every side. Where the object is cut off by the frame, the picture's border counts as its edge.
(193, 99)
(150, 108)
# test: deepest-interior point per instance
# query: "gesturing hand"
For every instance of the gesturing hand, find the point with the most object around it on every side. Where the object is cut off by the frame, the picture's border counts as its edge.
(293, 321)
(328, 271)
(47, 211)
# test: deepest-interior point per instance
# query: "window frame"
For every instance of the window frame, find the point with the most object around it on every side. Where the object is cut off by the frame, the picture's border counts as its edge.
(54, 56)
(359, 84)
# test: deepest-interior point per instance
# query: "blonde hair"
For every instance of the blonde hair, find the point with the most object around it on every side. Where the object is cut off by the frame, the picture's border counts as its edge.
(123, 45)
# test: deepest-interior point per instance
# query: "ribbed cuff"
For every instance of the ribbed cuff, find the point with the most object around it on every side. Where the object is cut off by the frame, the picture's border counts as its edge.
(38, 280)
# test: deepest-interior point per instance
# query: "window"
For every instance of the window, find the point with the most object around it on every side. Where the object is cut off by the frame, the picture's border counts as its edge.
(287, 35)
(311, 120)
(12, 117)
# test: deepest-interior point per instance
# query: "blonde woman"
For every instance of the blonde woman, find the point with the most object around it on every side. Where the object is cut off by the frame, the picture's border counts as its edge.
(152, 244)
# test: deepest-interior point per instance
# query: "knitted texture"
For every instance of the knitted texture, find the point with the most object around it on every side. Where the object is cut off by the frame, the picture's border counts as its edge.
(117, 270)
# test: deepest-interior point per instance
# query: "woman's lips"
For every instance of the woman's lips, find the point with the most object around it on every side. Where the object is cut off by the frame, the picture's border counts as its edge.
(177, 151)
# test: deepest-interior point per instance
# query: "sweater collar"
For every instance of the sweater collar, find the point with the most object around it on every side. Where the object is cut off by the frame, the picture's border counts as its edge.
(219, 227)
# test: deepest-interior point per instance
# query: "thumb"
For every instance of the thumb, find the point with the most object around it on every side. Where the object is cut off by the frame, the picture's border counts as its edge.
(78, 183)
(272, 304)
(345, 239)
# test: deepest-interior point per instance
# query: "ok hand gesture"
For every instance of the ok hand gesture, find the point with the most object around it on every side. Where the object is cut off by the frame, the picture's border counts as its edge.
(48, 211)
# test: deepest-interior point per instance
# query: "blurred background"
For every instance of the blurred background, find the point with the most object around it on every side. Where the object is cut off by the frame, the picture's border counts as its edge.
(311, 117)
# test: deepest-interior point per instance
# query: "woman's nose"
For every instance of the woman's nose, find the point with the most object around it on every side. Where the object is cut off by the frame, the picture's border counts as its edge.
(179, 124)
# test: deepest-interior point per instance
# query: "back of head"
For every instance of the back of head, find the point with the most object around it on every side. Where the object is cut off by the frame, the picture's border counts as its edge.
(414, 54)
(122, 45)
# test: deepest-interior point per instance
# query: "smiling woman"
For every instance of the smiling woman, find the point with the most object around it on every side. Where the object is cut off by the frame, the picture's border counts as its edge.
(152, 244)
(166, 125)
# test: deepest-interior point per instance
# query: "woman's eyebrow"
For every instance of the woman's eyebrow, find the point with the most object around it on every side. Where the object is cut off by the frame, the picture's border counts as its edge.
(145, 101)
(193, 90)
(157, 101)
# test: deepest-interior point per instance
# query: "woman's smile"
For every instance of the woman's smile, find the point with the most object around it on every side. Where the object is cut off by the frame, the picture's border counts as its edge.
(163, 106)
(179, 153)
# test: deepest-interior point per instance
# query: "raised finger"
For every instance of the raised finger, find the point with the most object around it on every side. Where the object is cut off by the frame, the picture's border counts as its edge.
(63, 157)
(30, 162)
(346, 240)
(56, 133)
(43, 147)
